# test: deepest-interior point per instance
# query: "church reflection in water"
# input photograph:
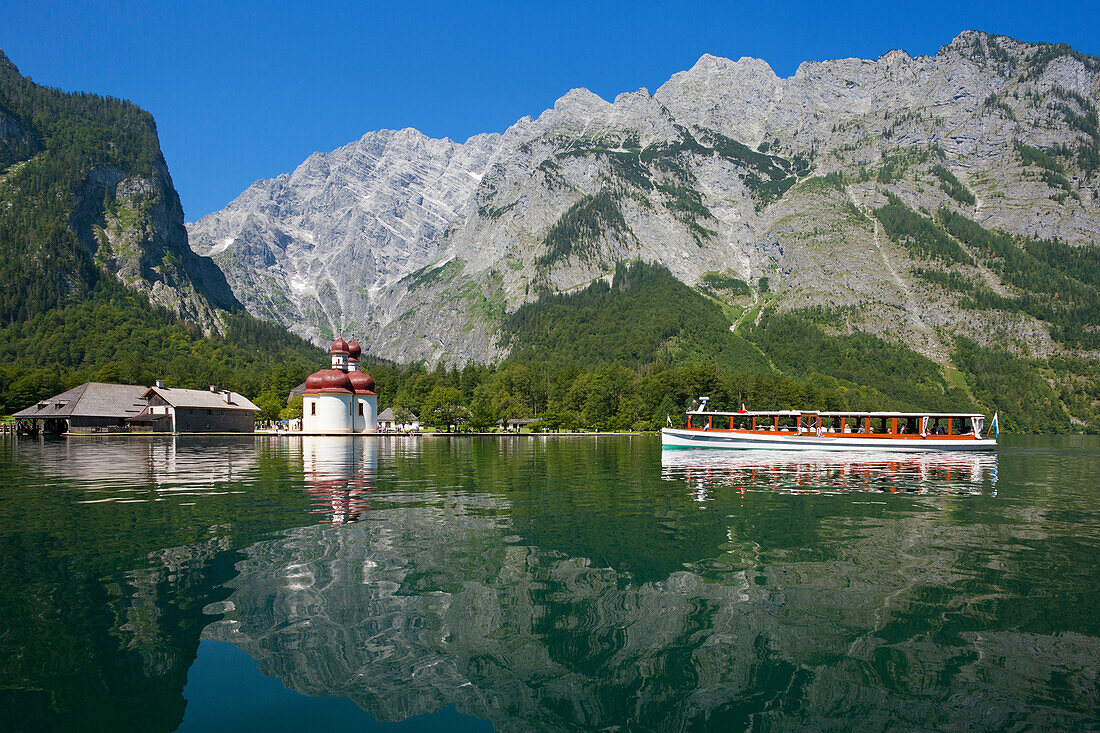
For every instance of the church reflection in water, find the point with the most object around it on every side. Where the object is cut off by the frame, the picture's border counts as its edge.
(340, 474)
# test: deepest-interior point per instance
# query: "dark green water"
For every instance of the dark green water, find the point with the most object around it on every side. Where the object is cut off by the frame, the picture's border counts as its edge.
(544, 584)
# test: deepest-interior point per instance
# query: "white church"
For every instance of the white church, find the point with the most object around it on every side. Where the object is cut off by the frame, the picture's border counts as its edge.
(341, 399)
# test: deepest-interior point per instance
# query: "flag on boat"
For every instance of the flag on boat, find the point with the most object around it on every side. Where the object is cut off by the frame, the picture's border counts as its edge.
(995, 426)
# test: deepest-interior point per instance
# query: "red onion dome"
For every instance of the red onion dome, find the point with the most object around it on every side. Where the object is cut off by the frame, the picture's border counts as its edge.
(328, 380)
(354, 350)
(313, 382)
(361, 381)
(339, 346)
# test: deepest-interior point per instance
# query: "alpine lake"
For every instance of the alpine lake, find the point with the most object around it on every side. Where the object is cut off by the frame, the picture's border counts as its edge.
(544, 583)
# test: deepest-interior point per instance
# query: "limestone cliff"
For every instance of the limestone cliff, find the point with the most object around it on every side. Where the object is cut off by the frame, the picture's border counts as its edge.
(420, 246)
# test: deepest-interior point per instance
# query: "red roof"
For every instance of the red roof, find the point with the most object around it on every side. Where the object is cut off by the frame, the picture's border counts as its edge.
(339, 346)
(354, 350)
(362, 382)
(328, 380)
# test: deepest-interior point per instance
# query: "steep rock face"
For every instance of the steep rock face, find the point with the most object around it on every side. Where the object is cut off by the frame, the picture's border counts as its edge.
(313, 249)
(142, 242)
(722, 170)
(85, 193)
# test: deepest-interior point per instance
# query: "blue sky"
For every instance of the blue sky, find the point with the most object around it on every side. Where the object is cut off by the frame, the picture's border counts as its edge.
(248, 90)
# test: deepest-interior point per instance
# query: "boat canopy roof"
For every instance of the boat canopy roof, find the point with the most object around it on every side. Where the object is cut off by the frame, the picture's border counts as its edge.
(849, 413)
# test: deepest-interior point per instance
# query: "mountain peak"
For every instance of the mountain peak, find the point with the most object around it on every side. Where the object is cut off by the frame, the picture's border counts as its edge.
(744, 66)
(580, 98)
(774, 164)
(641, 93)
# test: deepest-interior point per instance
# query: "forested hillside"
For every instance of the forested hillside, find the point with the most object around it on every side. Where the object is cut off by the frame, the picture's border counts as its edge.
(116, 336)
(644, 315)
(91, 231)
(629, 354)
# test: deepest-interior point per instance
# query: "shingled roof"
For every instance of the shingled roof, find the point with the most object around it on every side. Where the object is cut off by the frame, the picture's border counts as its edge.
(91, 399)
(387, 415)
(201, 398)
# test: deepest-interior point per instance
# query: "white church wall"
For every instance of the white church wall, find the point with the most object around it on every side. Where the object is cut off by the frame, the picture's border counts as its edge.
(332, 414)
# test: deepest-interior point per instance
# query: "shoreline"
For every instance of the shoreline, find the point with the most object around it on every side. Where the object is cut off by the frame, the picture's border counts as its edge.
(299, 434)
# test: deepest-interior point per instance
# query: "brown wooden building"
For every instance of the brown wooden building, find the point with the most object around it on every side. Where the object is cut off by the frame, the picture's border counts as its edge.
(171, 410)
(100, 407)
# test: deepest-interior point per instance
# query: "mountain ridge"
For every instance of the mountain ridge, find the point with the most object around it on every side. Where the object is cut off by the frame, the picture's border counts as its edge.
(89, 171)
(703, 177)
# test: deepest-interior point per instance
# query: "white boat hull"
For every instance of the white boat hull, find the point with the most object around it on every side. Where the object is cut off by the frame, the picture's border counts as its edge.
(681, 438)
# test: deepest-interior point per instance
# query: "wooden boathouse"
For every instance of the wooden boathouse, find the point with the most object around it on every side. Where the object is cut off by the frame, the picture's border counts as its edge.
(98, 407)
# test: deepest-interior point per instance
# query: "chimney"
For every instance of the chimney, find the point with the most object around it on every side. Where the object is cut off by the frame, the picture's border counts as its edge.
(160, 384)
(213, 388)
(227, 395)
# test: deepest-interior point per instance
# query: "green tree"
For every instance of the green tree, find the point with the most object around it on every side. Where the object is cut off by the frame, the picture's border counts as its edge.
(482, 415)
(443, 408)
(271, 405)
(402, 416)
(293, 409)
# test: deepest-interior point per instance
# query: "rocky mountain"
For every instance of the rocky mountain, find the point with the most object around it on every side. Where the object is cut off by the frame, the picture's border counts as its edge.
(832, 190)
(86, 194)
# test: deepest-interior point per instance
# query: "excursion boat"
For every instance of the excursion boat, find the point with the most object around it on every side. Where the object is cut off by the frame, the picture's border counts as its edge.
(831, 431)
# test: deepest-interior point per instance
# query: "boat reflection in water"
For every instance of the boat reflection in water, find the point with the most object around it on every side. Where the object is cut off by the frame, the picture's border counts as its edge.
(340, 474)
(925, 473)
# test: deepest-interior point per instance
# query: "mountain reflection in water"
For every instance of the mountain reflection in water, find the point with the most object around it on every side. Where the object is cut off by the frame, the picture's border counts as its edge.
(548, 583)
(884, 620)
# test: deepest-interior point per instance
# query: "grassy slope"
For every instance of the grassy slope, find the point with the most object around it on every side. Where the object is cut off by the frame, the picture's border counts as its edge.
(646, 317)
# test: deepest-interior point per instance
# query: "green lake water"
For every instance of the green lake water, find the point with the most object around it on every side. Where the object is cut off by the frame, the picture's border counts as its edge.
(262, 583)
